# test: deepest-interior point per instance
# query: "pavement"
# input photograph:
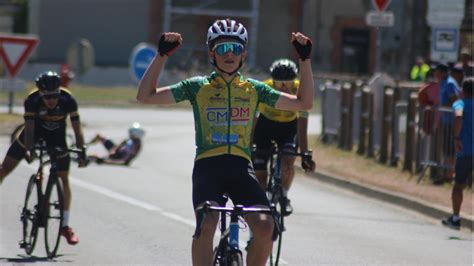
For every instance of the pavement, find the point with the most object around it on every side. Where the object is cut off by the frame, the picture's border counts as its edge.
(412, 203)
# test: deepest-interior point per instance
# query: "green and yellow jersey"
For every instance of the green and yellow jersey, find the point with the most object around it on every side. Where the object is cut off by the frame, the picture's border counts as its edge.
(224, 112)
(278, 115)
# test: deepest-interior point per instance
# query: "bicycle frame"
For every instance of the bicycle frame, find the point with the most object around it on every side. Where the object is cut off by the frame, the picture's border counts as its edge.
(39, 214)
(275, 189)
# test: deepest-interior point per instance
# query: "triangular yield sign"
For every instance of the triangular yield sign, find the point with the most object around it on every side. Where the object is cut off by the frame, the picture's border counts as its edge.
(381, 5)
(14, 50)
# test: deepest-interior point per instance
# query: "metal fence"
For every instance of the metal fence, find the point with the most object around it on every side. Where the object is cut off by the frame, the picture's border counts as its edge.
(420, 138)
(435, 143)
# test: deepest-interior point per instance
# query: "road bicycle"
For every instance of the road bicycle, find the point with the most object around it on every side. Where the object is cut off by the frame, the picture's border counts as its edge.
(274, 189)
(44, 207)
(227, 252)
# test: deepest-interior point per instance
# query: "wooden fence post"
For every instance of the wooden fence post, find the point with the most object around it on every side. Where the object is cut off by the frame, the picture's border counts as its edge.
(386, 124)
(364, 117)
(410, 133)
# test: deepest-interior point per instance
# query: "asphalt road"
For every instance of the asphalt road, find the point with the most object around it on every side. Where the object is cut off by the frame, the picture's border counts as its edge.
(143, 214)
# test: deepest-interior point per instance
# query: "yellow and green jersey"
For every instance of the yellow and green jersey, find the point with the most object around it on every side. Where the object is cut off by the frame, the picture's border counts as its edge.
(278, 115)
(224, 112)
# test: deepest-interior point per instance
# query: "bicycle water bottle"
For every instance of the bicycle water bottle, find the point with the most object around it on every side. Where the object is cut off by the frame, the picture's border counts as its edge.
(234, 234)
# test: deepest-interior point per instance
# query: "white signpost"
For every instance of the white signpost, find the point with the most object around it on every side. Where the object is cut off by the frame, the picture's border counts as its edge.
(445, 18)
(380, 19)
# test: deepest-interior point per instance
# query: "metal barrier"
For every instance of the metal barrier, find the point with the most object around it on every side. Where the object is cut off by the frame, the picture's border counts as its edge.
(331, 109)
(436, 143)
(399, 132)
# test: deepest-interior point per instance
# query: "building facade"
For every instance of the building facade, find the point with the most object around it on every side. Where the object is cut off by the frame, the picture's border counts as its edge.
(342, 40)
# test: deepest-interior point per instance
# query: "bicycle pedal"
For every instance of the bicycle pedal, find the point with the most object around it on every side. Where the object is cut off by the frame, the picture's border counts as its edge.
(22, 244)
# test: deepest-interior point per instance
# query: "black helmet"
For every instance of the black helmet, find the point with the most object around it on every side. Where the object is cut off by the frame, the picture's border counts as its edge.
(283, 69)
(48, 82)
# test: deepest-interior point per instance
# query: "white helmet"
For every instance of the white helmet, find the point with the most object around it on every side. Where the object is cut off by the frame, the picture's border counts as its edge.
(226, 28)
(136, 131)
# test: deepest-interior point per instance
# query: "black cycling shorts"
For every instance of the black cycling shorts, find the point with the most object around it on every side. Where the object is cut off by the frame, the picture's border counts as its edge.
(52, 138)
(234, 175)
(266, 131)
(463, 169)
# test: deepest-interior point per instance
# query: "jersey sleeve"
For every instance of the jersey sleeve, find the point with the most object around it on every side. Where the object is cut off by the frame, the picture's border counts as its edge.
(458, 105)
(30, 108)
(266, 94)
(186, 89)
(72, 108)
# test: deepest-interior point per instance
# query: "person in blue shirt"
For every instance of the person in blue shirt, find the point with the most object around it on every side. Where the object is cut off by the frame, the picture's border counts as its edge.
(463, 110)
(449, 93)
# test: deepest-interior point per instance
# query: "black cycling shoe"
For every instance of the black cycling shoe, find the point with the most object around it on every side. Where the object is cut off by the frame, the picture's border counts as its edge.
(287, 209)
(449, 222)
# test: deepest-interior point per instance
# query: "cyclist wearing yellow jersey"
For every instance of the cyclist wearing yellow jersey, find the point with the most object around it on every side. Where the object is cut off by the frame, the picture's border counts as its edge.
(224, 105)
(284, 127)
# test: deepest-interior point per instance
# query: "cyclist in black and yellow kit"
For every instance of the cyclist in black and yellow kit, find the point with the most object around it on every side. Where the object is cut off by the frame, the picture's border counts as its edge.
(224, 105)
(287, 128)
(46, 110)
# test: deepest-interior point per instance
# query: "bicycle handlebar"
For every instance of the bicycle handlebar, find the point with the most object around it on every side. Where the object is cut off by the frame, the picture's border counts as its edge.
(42, 149)
(275, 150)
(237, 210)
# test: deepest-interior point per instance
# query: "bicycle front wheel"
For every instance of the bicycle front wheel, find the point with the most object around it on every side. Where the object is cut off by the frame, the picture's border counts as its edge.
(30, 216)
(54, 211)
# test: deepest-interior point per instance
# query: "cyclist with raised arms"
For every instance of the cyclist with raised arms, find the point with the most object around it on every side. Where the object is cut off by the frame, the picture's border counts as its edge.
(46, 110)
(287, 128)
(224, 105)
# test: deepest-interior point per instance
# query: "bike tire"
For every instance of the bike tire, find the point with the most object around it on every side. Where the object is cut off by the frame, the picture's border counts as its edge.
(30, 215)
(276, 198)
(235, 258)
(54, 215)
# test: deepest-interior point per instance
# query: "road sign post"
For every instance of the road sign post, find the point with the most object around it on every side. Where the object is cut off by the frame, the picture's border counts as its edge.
(379, 19)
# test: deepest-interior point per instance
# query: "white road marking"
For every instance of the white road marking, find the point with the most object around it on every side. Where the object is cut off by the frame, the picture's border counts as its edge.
(135, 202)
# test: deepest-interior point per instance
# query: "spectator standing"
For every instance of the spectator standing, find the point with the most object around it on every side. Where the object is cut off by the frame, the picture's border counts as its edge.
(466, 64)
(428, 96)
(457, 73)
(463, 110)
(66, 75)
(449, 93)
(419, 70)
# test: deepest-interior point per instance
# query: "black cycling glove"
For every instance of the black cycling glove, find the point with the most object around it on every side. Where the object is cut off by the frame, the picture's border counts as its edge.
(308, 164)
(303, 51)
(165, 47)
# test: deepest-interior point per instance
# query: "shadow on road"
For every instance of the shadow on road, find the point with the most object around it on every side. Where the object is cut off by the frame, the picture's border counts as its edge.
(32, 259)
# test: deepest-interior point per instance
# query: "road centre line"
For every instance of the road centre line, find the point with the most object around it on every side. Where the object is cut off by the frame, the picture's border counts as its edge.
(135, 202)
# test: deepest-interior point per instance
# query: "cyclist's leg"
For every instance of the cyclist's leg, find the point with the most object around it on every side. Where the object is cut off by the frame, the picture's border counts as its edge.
(206, 187)
(286, 141)
(244, 189)
(262, 140)
(15, 153)
(57, 138)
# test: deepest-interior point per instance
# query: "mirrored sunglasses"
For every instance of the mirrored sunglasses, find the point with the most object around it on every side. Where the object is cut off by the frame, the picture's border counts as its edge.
(222, 48)
(288, 83)
(51, 96)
